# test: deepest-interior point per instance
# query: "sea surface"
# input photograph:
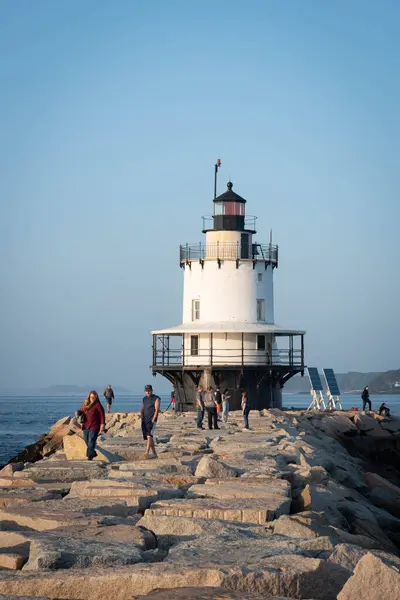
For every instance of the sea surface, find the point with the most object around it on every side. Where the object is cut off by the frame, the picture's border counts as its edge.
(24, 418)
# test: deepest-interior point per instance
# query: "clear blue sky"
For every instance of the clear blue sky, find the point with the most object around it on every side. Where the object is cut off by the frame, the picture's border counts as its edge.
(111, 117)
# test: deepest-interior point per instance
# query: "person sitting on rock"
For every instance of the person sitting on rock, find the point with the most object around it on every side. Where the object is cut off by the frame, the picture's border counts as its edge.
(384, 411)
(93, 422)
(149, 415)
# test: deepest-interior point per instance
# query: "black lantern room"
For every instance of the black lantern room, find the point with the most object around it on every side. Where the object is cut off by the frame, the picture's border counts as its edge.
(229, 211)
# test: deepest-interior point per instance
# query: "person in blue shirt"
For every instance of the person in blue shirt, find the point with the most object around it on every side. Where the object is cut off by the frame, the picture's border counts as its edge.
(149, 415)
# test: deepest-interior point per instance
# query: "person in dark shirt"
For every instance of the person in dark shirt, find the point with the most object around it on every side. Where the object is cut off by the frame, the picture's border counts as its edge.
(245, 409)
(149, 415)
(200, 407)
(93, 422)
(109, 396)
(365, 398)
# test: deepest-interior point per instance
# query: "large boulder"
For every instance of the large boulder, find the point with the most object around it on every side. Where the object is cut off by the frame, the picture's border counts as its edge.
(348, 555)
(284, 575)
(56, 552)
(211, 468)
(373, 578)
(383, 493)
(137, 492)
(10, 469)
(75, 449)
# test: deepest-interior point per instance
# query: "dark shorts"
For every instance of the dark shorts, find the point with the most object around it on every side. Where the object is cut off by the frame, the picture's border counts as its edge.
(148, 428)
(109, 400)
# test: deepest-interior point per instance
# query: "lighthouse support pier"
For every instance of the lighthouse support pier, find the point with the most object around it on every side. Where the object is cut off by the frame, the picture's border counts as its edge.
(259, 363)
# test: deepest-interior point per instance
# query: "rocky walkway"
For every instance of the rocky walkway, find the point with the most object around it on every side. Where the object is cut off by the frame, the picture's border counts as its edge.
(281, 511)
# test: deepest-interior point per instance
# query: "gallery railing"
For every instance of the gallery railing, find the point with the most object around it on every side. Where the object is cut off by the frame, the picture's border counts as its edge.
(249, 223)
(267, 253)
(163, 356)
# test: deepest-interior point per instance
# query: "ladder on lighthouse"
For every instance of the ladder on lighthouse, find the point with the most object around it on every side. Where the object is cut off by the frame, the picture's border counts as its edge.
(332, 390)
(316, 391)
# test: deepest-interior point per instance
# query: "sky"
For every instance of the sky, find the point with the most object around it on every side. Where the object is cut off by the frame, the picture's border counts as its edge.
(112, 115)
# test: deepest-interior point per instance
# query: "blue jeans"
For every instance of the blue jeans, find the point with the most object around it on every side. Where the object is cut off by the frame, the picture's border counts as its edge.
(225, 411)
(200, 417)
(90, 438)
(246, 417)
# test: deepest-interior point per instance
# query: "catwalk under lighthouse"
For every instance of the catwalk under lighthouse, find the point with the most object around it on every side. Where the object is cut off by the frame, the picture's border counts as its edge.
(228, 336)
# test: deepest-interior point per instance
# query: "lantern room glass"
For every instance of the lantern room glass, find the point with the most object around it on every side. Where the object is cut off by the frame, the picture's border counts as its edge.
(229, 208)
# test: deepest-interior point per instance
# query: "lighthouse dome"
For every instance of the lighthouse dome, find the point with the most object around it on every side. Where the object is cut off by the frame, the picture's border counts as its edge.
(230, 195)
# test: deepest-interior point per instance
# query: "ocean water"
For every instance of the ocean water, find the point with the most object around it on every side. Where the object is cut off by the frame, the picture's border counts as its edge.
(24, 418)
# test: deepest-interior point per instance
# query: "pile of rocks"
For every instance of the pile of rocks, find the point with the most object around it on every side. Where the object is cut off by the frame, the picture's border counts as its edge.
(281, 511)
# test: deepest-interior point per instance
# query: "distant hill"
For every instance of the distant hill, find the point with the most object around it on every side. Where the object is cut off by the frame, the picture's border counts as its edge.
(78, 390)
(348, 382)
(386, 383)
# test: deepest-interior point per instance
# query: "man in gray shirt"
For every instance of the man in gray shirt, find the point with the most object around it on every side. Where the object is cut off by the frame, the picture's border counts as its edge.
(210, 405)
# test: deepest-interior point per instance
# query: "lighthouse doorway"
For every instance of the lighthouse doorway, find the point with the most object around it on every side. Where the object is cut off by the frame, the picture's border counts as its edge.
(244, 246)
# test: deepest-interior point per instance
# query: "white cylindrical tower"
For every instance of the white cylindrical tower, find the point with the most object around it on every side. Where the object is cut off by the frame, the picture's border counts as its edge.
(228, 332)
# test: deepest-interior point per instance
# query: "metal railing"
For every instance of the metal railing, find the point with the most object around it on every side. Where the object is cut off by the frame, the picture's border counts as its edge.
(267, 253)
(249, 222)
(168, 357)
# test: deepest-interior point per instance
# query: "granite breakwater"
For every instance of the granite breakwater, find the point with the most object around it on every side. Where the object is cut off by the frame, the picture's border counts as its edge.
(303, 506)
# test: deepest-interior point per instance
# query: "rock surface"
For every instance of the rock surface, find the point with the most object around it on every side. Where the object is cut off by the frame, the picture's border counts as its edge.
(281, 511)
(202, 594)
(373, 578)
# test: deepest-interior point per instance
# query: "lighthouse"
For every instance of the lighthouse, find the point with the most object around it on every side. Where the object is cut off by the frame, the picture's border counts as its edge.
(228, 336)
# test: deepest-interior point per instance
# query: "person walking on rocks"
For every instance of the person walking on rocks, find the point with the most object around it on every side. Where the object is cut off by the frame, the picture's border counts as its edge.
(245, 409)
(226, 398)
(365, 398)
(149, 415)
(109, 396)
(210, 405)
(93, 421)
(200, 407)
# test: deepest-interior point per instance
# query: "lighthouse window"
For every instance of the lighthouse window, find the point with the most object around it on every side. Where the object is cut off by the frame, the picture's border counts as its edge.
(260, 310)
(261, 342)
(234, 208)
(218, 208)
(195, 310)
(194, 345)
(229, 208)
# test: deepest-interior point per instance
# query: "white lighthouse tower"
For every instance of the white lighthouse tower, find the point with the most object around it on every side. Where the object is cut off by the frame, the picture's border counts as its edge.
(228, 336)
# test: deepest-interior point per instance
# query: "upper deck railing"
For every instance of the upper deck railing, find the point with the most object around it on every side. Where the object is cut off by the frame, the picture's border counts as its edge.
(163, 356)
(249, 223)
(266, 253)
